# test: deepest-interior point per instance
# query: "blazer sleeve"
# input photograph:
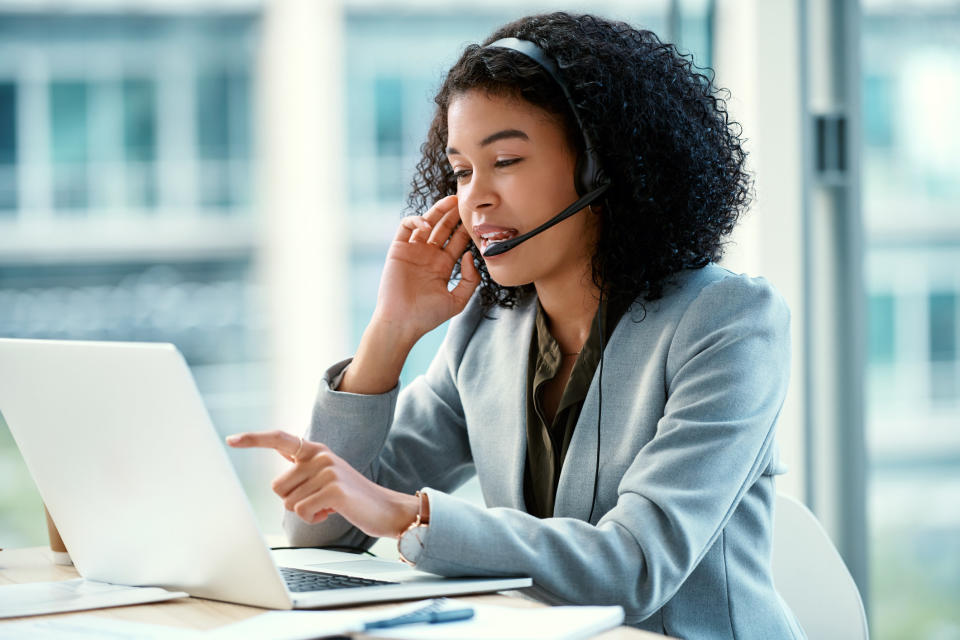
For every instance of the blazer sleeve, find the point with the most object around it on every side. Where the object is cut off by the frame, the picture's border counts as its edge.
(400, 440)
(726, 378)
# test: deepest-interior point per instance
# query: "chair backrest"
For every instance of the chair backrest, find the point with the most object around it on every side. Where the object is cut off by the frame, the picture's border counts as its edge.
(811, 576)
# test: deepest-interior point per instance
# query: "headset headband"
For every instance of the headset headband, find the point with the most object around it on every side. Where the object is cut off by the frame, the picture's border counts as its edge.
(591, 175)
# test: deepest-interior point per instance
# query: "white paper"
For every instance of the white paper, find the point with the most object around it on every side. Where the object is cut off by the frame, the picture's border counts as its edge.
(489, 621)
(514, 623)
(38, 598)
(92, 628)
(302, 625)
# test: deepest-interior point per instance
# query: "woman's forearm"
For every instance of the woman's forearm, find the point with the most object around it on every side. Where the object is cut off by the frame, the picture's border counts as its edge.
(376, 366)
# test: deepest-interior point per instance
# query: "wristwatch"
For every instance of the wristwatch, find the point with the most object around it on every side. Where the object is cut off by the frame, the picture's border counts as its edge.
(410, 542)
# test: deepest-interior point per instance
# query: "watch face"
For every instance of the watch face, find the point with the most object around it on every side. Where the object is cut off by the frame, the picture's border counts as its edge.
(410, 543)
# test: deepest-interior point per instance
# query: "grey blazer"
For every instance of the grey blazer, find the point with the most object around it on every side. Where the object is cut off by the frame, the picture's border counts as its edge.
(681, 532)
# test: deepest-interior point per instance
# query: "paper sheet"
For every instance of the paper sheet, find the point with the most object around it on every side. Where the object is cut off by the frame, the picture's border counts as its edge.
(489, 621)
(92, 628)
(38, 598)
(514, 623)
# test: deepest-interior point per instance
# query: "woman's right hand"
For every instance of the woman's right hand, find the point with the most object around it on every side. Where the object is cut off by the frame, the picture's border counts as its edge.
(413, 298)
(413, 295)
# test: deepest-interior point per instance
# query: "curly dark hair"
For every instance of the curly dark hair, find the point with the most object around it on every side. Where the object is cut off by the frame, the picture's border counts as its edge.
(662, 133)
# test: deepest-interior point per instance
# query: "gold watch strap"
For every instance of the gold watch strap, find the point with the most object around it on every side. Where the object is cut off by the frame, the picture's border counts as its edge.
(422, 520)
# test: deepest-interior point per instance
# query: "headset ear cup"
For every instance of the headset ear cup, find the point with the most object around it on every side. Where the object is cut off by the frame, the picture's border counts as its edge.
(579, 182)
(586, 176)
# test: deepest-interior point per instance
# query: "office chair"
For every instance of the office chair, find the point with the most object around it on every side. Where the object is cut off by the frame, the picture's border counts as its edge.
(811, 576)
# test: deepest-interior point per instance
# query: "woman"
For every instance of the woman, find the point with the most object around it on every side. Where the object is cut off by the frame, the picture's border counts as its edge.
(613, 389)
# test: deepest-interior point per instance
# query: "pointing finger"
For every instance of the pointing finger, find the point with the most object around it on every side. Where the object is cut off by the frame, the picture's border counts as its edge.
(281, 441)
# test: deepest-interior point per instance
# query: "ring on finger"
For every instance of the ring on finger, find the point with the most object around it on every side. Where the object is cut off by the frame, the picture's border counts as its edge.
(297, 452)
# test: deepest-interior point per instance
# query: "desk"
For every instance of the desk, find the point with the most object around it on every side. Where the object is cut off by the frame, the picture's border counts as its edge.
(36, 565)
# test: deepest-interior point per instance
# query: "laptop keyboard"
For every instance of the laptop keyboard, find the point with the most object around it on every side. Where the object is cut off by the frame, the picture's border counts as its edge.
(300, 580)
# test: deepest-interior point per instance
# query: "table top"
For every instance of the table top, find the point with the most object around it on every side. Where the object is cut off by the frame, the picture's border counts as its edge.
(35, 564)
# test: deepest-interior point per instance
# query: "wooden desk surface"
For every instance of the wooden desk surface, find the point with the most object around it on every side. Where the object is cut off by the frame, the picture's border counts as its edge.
(36, 565)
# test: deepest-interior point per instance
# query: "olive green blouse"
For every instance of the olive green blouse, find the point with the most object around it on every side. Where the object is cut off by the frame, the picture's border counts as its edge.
(547, 443)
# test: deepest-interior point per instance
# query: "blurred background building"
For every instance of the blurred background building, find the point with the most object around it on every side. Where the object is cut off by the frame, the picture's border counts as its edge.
(226, 175)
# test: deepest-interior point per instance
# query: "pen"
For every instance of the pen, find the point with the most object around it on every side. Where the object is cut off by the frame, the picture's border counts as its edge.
(426, 615)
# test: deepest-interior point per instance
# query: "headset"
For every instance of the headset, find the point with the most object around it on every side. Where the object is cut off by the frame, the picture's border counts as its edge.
(588, 177)
(590, 182)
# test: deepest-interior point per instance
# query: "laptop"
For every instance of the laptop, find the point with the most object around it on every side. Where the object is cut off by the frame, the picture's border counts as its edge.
(138, 481)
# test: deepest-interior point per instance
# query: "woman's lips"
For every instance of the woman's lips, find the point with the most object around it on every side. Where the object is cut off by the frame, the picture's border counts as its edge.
(490, 235)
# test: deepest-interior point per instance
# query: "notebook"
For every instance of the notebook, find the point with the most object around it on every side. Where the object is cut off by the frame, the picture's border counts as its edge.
(137, 479)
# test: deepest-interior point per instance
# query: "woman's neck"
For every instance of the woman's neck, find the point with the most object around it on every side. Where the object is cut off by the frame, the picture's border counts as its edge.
(570, 308)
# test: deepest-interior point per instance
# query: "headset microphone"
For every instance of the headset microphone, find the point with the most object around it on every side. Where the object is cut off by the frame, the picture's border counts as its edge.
(588, 177)
(506, 245)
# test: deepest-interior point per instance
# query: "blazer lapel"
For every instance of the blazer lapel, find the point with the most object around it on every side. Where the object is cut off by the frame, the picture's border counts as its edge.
(515, 424)
(500, 386)
(578, 474)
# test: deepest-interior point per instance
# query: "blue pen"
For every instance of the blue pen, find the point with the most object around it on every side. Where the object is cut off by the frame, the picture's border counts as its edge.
(427, 614)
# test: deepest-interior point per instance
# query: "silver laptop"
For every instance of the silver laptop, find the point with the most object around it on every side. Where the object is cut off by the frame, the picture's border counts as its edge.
(130, 467)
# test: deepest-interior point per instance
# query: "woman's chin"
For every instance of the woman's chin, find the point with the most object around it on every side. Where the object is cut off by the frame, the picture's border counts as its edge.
(507, 277)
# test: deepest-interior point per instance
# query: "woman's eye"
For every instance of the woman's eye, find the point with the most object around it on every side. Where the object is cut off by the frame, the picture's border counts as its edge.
(460, 174)
(507, 162)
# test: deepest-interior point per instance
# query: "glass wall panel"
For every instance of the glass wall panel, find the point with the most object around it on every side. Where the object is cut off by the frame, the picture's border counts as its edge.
(140, 141)
(118, 118)
(69, 136)
(910, 89)
(222, 123)
(8, 148)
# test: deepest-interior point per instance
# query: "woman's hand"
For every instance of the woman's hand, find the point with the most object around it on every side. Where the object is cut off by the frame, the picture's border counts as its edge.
(413, 297)
(413, 287)
(320, 483)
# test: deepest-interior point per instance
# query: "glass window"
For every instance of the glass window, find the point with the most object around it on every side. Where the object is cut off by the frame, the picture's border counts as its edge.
(943, 326)
(70, 144)
(693, 33)
(388, 94)
(882, 330)
(8, 148)
(943, 347)
(388, 98)
(213, 115)
(223, 122)
(910, 66)
(140, 141)
(105, 139)
(878, 119)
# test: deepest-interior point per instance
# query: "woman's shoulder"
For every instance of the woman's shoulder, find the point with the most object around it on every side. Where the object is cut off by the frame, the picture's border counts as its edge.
(710, 295)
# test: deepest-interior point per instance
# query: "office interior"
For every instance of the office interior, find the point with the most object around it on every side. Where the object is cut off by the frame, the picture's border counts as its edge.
(226, 175)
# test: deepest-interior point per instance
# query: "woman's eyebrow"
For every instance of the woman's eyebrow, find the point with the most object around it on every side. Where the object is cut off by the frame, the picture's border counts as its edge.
(493, 137)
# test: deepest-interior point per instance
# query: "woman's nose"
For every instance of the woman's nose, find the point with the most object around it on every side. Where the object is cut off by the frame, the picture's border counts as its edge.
(478, 194)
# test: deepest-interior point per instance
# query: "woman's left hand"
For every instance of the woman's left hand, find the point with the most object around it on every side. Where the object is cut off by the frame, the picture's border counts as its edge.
(320, 483)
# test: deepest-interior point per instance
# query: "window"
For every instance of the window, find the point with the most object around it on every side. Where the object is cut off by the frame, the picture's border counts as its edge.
(388, 97)
(118, 118)
(878, 119)
(910, 57)
(8, 148)
(70, 145)
(140, 142)
(943, 346)
(882, 329)
(222, 122)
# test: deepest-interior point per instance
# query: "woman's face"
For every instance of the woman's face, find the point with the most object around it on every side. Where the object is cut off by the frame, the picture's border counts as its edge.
(514, 170)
